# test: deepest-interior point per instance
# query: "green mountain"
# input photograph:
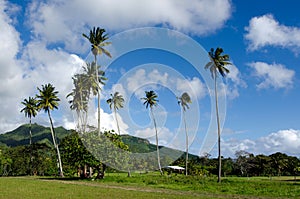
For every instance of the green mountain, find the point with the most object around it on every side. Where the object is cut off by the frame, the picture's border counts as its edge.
(40, 134)
(140, 145)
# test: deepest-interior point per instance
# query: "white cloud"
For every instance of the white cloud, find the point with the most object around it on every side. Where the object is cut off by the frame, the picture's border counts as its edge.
(22, 71)
(285, 141)
(266, 31)
(164, 135)
(273, 75)
(61, 21)
(108, 122)
(192, 86)
(234, 82)
(177, 84)
(12, 83)
(141, 78)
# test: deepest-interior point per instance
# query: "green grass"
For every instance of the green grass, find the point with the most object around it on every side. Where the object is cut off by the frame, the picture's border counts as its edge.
(255, 186)
(149, 186)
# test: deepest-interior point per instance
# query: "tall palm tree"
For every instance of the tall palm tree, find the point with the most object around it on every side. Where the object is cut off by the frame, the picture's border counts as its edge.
(91, 73)
(30, 109)
(116, 102)
(48, 100)
(217, 65)
(183, 101)
(97, 38)
(79, 101)
(151, 100)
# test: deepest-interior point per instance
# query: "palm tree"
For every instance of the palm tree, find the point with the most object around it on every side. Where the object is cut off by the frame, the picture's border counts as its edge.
(48, 100)
(91, 73)
(97, 38)
(217, 65)
(116, 102)
(30, 111)
(79, 101)
(151, 100)
(183, 101)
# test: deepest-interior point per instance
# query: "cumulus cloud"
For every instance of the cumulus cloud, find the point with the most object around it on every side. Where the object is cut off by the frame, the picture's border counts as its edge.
(11, 70)
(61, 21)
(273, 75)
(23, 68)
(267, 31)
(234, 82)
(177, 84)
(164, 135)
(193, 86)
(285, 141)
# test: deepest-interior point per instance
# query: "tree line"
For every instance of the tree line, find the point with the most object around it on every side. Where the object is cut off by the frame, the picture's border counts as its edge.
(41, 159)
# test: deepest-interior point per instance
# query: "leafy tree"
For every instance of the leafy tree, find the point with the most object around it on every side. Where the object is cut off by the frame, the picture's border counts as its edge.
(183, 101)
(217, 65)
(14, 160)
(244, 162)
(103, 151)
(279, 162)
(97, 38)
(116, 102)
(76, 156)
(48, 100)
(151, 100)
(263, 165)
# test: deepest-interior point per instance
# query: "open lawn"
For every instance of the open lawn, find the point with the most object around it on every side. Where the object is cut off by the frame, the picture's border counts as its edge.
(149, 186)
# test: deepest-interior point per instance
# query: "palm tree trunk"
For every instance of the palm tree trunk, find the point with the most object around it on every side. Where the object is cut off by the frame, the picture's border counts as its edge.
(30, 144)
(30, 134)
(219, 130)
(98, 93)
(187, 145)
(61, 174)
(115, 111)
(156, 136)
(99, 131)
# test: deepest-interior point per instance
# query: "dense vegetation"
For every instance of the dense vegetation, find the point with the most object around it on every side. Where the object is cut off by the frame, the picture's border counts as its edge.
(15, 157)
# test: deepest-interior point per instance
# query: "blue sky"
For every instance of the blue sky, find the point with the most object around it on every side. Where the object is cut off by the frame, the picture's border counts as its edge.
(41, 42)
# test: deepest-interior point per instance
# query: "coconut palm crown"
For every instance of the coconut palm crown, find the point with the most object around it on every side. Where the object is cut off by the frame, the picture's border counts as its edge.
(217, 62)
(184, 100)
(47, 98)
(150, 99)
(97, 38)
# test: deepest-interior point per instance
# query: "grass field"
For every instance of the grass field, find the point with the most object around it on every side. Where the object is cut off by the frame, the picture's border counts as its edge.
(149, 186)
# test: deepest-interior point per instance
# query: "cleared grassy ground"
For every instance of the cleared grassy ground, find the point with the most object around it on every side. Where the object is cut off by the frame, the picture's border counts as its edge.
(149, 186)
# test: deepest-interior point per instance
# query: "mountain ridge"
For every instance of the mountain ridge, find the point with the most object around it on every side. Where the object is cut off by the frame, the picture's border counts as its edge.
(42, 134)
